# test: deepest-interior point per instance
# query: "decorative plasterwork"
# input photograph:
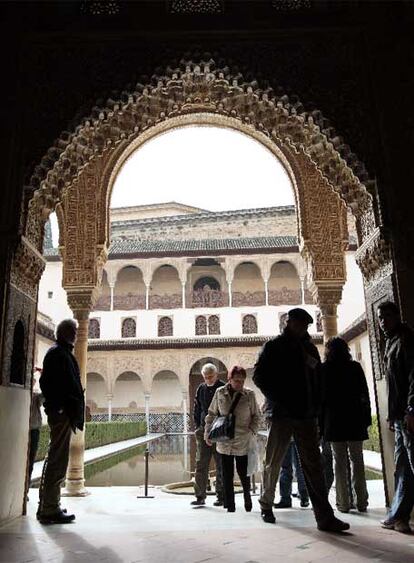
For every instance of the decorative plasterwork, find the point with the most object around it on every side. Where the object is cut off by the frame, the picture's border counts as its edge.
(197, 88)
(374, 257)
(27, 268)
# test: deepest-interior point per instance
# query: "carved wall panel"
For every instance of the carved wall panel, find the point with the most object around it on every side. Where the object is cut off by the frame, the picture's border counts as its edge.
(21, 309)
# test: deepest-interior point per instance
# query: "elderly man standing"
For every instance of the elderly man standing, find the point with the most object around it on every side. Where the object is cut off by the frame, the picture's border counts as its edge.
(399, 364)
(204, 395)
(287, 373)
(65, 408)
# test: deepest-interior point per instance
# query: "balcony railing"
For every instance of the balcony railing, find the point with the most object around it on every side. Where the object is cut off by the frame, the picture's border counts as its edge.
(129, 302)
(285, 296)
(208, 298)
(248, 298)
(103, 303)
(173, 301)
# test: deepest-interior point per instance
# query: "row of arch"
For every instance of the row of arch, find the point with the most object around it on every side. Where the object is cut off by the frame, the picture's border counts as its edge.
(128, 390)
(205, 286)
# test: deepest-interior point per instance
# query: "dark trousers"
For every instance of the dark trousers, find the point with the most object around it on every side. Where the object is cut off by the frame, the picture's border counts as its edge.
(305, 434)
(327, 460)
(56, 463)
(403, 501)
(34, 444)
(203, 457)
(228, 477)
(290, 461)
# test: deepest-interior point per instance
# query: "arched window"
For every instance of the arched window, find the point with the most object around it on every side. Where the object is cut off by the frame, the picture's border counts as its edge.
(213, 324)
(249, 324)
(94, 329)
(129, 328)
(206, 283)
(200, 325)
(165, 326)
(18, 356)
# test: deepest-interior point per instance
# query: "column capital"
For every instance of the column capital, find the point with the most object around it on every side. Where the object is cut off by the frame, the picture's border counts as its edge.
(82, 301)
(326, 294)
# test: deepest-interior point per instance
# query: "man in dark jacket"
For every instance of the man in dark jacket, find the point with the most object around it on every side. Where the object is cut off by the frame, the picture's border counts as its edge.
(399, 365)
(65, 408)
(204, 396)
(287, 373)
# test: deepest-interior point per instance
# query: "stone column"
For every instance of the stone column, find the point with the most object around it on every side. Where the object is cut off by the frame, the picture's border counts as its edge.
(183, 267)
(329, 319)
(302, 290)
(183, 294)
(185, 412)
(328, 298)
(229, 279)
(109, 398)
(147, 290)
(147, 277)
(111, 287)
(147, 397)
(75, 481)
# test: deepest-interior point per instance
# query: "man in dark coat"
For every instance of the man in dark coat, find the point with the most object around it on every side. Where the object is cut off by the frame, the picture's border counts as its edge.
(399, 365)
(287, 373)
(204, 396)
(65, 408)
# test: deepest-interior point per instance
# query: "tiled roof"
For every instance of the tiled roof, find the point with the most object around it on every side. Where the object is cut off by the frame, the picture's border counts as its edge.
(206, 245)
(173, 247)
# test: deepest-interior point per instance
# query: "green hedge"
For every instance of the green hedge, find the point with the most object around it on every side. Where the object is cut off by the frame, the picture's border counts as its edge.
(373, 442)
(98, 434)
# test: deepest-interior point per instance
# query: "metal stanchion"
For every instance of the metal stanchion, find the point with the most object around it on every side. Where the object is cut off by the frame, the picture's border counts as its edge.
(253, 486)
(146, 457)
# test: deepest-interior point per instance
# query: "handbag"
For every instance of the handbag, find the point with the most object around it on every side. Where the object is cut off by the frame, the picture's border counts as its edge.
(223, 427)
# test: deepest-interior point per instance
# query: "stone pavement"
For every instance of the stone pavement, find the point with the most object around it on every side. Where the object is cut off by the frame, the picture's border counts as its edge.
(113, 526)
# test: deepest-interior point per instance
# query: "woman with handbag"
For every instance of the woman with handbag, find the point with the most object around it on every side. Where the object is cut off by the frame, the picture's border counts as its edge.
(345, 417)
(233, 417)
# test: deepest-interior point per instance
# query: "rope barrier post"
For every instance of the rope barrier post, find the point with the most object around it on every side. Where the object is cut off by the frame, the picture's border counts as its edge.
(253, 485)
(146, 478)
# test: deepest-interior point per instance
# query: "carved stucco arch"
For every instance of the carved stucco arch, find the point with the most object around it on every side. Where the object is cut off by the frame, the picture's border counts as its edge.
(118, 269)
(78, 171)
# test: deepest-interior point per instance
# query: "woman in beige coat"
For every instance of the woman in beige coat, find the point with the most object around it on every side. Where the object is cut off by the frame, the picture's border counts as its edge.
(247, 416)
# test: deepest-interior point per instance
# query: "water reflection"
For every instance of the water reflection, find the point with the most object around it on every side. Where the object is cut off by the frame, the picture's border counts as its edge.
(170, 462)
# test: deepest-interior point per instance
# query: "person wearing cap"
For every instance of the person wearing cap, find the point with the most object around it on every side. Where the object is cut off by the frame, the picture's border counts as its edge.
(288, 374)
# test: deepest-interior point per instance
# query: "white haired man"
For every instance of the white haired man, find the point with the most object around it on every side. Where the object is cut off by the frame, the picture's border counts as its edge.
(204, 395)
(65, 408)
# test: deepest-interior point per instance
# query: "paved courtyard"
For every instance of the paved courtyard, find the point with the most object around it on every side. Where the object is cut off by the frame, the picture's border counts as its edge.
(114, 526)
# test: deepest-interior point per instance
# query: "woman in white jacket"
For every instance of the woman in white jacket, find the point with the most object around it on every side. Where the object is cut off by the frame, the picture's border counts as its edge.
(247, 417)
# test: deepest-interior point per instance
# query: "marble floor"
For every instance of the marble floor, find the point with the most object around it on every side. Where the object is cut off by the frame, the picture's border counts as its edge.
(113, 526)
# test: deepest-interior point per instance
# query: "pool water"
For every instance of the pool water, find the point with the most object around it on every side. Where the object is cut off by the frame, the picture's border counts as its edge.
(172, 461)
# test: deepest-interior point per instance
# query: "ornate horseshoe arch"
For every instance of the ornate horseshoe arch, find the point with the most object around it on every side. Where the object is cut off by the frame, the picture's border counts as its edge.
(77, 173)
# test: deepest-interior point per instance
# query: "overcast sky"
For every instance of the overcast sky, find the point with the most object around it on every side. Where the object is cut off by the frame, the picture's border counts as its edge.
(208, 167)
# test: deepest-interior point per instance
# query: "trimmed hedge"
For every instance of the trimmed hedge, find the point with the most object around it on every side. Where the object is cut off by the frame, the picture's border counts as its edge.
(98, 434)
(373, 442)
